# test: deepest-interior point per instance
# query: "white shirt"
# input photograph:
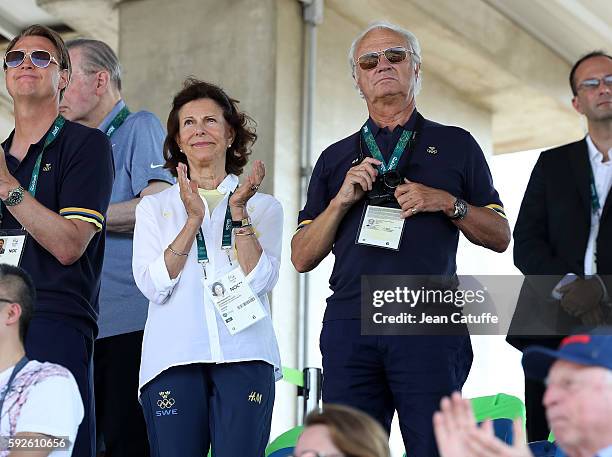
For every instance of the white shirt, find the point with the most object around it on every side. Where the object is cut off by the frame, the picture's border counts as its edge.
(602, 174)
(44, 399)
(183, 326)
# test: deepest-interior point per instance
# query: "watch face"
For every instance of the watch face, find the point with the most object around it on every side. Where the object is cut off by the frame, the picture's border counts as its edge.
(15, 197)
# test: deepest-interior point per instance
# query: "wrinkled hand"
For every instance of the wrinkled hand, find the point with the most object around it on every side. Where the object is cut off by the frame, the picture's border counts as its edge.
(583, 297)
(482, 442)
(358, 181)
(193, 203)
(249, 187)
(451, 426)
(416, 198)
(458, 435)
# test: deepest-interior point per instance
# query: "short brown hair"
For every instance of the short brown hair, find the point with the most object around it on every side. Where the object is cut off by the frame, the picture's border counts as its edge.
(588, 56)
(237, 155)
(354, 433)
(53, 37)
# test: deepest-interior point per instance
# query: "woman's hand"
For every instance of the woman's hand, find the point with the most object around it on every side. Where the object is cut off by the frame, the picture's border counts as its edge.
(247, 189)
(194, 205)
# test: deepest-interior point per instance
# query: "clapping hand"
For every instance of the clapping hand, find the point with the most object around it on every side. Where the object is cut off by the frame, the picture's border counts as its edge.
(249, 187)
(194, 205)
(458, 435)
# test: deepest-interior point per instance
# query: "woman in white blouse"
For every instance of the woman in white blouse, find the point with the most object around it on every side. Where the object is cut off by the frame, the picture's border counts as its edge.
(209, 360)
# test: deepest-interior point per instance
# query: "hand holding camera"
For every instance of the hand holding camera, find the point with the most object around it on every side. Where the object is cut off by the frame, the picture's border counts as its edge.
(359, 179)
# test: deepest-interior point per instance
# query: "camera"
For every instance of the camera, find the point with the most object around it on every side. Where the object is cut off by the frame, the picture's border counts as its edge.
(383, 190)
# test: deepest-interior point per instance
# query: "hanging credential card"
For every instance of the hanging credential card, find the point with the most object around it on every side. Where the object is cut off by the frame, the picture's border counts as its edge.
(235, 301)
(381, 227)
(12, 243)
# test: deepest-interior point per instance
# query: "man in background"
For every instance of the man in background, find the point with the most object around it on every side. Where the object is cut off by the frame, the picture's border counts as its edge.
(93, 98)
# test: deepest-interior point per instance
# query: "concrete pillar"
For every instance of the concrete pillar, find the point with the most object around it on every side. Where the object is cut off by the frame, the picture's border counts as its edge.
(253, 49)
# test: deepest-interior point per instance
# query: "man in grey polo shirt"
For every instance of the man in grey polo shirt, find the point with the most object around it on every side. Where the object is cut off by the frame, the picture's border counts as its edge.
(93, 98)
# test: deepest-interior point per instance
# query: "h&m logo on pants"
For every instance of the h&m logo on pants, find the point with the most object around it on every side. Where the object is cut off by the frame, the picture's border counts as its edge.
(166, 403)
(255, 397)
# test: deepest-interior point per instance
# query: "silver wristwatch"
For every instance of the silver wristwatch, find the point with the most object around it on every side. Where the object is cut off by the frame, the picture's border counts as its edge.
(15, 196)
(461, 209)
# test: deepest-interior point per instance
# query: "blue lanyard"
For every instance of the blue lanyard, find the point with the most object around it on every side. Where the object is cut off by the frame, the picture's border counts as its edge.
(22, 363)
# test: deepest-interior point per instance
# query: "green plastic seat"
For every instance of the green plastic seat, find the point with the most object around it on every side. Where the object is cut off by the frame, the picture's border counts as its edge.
(285, 440)
(293, 376)
(499, 406)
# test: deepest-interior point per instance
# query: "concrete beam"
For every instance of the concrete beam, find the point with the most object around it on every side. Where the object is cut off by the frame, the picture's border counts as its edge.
(97, 19)
(8, 29)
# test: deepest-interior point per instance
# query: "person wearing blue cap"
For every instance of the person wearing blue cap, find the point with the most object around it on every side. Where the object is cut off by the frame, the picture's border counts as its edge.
(578, 403)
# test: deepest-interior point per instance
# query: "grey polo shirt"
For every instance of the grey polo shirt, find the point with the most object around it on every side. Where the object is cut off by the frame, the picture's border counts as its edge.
(137, 150)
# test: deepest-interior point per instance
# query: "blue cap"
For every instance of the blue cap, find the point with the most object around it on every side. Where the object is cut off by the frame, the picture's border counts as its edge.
(591, 349)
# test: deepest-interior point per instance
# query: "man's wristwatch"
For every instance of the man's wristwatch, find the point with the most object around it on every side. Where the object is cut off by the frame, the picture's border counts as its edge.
(461, 209)
(246, 222)
(14, 197)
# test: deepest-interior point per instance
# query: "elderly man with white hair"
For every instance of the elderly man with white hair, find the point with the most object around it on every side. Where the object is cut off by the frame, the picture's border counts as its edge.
(391, 199)
(578, 402)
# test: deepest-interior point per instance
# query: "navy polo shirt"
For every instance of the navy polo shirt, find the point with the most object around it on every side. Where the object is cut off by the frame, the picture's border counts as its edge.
(444, 157)
(75, 181)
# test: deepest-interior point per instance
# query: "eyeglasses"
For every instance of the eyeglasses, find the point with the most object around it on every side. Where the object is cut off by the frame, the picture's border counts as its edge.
(6, 300)
(39, 58)
(593, 83)
(393, 55)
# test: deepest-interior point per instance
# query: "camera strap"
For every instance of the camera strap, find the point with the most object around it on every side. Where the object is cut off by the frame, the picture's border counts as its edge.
(405, 142)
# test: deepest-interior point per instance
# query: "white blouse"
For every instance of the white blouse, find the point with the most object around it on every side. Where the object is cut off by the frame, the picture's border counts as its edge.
(183, 326)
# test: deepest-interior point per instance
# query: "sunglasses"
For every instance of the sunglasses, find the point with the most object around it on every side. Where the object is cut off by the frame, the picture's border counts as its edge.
(39, 58)
(393, 55)
(590, 84)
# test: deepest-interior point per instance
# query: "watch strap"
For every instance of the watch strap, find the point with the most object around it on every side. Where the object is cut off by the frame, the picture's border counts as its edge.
(241, 223)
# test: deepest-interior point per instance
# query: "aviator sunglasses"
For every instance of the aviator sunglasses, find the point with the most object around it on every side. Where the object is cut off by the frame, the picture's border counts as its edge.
(393, 55)
(39, 58)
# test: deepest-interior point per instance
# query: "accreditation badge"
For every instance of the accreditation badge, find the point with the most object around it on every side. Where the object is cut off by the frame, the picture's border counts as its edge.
(12, 243)
(381, 227)
(235, 301)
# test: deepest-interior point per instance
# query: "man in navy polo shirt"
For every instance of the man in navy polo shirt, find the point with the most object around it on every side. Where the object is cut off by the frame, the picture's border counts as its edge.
(448, 188)
(55, 182)
(94, 99)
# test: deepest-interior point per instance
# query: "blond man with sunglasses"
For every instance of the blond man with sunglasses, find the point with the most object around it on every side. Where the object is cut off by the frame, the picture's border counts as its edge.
(421, 183)
(55, 184)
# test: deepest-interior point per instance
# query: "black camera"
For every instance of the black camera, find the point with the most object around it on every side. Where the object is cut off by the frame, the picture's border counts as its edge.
(383, 190)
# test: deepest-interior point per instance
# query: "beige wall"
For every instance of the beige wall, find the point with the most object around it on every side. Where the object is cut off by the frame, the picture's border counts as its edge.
(228, 43)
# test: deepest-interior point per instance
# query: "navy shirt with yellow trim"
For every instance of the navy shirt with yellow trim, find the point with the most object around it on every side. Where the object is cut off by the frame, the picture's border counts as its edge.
(75, 181)
(446, 158)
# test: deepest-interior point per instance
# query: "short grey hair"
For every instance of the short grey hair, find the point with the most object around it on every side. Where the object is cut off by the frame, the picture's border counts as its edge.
(97, 56)
(411, 41)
